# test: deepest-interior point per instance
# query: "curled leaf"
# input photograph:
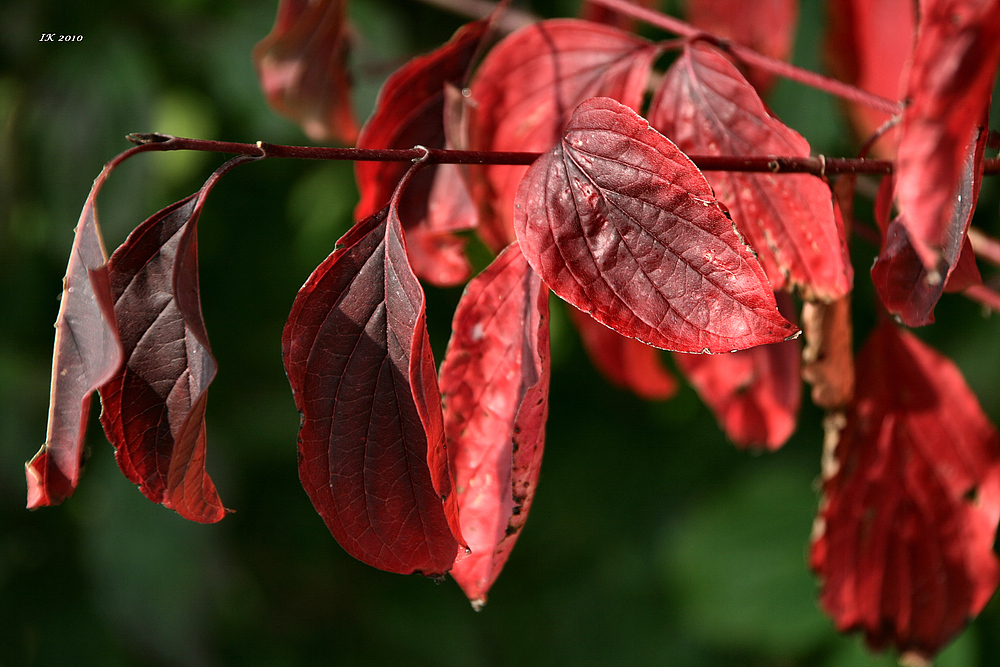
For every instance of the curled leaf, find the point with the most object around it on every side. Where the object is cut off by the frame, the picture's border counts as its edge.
(372, 454)
(495, 384)
(621, 224)
(154, 406)
(87, 352)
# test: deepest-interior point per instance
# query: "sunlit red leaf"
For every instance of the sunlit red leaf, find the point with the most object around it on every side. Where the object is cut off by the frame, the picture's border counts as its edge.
(766, 26)
(954, 66)
(754, 394)
(372, 451)
(828, 355)
(904, 541)
(621, 224)
(495, 383)
(87, 353)
(302, 67)
(154, 406)
(526, 89)
(625, 362)
(868, 45)
(705, 106)
(906, 287)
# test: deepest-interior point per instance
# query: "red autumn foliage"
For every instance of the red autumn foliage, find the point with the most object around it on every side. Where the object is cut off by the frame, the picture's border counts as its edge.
(415, 469)
(654, 259)
(911, 499)
(495, 386)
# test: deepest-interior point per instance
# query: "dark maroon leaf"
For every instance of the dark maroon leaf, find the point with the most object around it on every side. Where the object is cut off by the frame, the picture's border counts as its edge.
(495, 384)
(372, 451)
(904, 540)
(302, 67)
(705, 106)
(525, 91)
(625, 362)
(154, 406)
(87, 353)
(621, 224)
(950, 81)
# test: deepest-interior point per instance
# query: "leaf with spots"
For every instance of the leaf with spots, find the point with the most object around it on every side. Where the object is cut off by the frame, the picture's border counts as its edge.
(495, 385)
(904, 540)
(621, 224)
(372, 453)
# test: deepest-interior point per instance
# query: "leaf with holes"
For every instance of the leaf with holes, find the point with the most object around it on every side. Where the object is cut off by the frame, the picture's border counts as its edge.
(705, 106)
(372, 453)
(495, 385)
(525, 91)
(904, 540)
(621, 224)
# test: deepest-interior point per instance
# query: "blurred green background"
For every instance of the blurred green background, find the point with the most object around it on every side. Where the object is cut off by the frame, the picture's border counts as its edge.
(652, 540)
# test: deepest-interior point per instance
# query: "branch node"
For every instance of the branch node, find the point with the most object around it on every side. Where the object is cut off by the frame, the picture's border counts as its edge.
(774, 166)
(423, 158)
(822, 166)
(262, 147)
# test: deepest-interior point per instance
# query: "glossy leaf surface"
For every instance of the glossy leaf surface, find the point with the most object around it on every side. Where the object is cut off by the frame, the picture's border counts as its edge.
(705, 106)
(154, 407)
(495, 384)
(302, 67)
(620, 223)
(372, 452)
(526, 89)
(904, 545)
(87, 352)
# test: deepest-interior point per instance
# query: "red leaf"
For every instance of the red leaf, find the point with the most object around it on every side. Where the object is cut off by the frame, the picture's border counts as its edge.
(87, 353)
(410, 112)
(910, 291)
(495, 384)
(372, 453)
(526, 90)
(766, 26)
(302, 67)
(625, 362)
(904, 545)
(590, 11)
(621, 224)
(954, 65)
(154, 406)
(706, 106)
(754, 394)
(868, 45)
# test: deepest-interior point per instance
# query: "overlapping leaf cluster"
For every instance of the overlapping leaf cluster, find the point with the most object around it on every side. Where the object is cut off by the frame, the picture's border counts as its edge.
(420, 469)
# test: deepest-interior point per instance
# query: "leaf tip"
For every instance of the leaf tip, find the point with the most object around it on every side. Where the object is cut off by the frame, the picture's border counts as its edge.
(478, 603)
